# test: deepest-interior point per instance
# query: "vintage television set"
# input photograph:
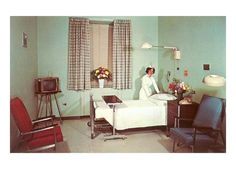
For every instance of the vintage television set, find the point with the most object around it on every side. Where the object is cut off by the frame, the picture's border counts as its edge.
(47, 85)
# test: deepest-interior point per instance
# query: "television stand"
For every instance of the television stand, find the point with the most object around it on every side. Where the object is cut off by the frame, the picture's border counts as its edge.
(48, 104)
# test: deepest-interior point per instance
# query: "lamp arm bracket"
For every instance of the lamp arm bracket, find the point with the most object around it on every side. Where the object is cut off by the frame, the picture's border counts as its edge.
(165, 47)
(173, 48)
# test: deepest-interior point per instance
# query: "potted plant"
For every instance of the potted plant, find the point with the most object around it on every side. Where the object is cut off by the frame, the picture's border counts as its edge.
(178, 88)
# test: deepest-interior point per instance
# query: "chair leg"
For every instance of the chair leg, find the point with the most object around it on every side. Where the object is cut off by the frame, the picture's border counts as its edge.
(216, 138)
(194, 139)
(173, 146)
(55, 138)
(193, 148)
(222, 136)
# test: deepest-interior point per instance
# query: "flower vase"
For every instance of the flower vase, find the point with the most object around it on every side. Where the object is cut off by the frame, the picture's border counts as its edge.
(101, 83)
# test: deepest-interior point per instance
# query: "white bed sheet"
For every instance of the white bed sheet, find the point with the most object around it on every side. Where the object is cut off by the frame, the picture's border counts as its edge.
(134, 113)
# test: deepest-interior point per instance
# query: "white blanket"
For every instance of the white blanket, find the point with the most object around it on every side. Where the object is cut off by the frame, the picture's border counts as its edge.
(134, 113)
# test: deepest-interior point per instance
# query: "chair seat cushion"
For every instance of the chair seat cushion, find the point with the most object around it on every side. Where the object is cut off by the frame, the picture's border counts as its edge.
(185, 135)
(45, 138)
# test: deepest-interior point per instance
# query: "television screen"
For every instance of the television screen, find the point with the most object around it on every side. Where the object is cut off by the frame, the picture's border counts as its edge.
(49, 85)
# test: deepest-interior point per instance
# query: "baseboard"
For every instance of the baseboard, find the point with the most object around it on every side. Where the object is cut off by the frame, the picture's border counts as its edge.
(73, 117)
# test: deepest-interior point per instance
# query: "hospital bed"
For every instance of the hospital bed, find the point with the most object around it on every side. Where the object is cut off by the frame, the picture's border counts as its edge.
(130, 114)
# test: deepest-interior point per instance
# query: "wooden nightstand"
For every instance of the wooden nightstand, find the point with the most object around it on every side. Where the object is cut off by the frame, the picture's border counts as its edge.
(184, 111)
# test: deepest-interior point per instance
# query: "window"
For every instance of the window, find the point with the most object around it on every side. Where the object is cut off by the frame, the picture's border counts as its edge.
(101, 48)
(92, 45)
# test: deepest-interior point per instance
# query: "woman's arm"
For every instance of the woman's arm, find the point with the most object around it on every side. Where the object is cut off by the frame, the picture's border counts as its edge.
(155, 85)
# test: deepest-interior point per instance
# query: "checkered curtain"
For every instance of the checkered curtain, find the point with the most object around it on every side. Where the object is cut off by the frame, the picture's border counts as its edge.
(79, 54)
(121, 49)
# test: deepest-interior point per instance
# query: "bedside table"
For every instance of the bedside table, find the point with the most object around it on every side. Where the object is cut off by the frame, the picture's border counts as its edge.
(184, 111)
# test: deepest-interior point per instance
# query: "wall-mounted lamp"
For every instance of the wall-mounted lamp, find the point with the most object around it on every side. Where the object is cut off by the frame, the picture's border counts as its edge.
(177, 54)
(214, 80)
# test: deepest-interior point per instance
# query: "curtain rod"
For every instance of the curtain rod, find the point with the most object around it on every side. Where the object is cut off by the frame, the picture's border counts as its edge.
(105, 22)
(100, 22)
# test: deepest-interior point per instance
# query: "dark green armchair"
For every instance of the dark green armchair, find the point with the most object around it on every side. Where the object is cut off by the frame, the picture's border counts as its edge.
(206, 126)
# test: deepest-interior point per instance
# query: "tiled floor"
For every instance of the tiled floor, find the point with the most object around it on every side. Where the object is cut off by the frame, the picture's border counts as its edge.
(77, 139)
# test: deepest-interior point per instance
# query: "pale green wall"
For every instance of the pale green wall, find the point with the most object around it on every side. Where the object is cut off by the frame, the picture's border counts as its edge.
(53, 55)
(201, 40)
(23, 66)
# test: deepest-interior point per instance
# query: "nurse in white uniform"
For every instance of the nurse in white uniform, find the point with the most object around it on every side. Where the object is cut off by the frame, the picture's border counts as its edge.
(147, 82)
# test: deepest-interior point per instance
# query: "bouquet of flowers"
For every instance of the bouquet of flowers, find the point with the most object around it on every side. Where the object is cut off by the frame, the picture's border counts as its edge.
(101, 73)
(178, 86)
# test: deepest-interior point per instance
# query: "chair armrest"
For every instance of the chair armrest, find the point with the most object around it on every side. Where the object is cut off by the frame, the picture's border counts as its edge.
(39, 130)
(177, 119)
(53, 116)
(42, 119)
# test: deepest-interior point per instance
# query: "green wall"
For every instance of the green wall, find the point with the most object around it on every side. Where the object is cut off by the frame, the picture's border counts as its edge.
(201, 40)
(53, 57)
(23, 66)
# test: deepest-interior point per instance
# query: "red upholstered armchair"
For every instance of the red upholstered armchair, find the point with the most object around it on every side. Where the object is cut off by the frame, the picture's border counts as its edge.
(37, 137)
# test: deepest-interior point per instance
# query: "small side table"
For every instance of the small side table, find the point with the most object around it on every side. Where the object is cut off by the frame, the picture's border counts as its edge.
(48, 100)
(184, 111)
(112, 101)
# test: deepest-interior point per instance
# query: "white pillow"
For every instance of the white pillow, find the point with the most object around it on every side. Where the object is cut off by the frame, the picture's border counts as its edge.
(163, 96)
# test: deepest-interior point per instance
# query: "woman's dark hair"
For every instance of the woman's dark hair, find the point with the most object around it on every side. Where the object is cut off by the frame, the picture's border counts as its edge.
(149, 68)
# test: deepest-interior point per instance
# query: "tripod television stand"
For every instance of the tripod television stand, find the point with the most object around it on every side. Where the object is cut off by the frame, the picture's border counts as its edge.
(48, 103)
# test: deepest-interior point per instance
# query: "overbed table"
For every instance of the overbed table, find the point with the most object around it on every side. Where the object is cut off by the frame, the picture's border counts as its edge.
(112, 101)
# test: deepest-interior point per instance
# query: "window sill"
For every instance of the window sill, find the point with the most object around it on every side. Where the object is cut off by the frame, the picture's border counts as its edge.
(107, 84)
